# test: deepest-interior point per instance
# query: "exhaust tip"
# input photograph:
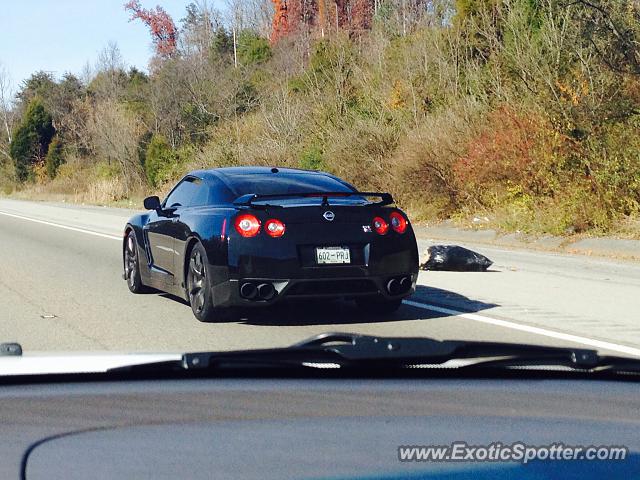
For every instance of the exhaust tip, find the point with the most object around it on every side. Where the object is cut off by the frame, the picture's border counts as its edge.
(393, 286)
(248, 290)
(266, 291)
(405, 284)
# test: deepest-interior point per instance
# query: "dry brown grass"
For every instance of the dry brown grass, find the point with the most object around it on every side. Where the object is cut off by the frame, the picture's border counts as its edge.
(77, 183)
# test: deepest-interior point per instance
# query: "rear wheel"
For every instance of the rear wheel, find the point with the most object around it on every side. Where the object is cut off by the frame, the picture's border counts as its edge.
(378, 305)
(132, 265)
(199, 292)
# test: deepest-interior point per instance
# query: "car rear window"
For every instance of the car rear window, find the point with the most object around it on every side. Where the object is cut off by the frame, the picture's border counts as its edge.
(277, 184)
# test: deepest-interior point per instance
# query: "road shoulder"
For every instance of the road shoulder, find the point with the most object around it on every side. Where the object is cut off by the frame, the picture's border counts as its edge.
(616, 248)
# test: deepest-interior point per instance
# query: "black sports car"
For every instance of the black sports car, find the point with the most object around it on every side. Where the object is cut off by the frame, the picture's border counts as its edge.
(253, 236)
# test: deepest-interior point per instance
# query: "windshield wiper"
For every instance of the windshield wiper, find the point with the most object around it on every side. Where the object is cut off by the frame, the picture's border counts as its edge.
(364, 352)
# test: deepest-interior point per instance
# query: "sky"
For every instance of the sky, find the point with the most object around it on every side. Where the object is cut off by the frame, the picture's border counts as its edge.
(61, 36)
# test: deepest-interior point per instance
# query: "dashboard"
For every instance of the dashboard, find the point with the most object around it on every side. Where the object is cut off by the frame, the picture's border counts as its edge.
(297, 428)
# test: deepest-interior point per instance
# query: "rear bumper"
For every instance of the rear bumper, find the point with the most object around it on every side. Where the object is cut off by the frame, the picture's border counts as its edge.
(289, 264)
(228, 293)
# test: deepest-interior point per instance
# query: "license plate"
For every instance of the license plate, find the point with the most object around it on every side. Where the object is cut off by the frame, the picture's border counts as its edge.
(333, 255)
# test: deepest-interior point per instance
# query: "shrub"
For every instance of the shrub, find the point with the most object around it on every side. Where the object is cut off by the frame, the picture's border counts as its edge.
(55, 157)
(252, 48)
(423, 162)
(159, 159)
(311, 159)
(511, 149)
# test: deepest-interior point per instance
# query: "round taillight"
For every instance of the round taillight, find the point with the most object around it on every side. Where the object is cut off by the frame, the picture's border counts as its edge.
(247, 225)
(380, 225)
(398, 222)
(274, 227)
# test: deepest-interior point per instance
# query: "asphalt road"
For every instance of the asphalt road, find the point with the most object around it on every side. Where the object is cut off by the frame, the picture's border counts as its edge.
(61, 290)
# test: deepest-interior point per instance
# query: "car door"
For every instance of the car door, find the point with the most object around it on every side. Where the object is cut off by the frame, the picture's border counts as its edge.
(162, 228)
(183, 222)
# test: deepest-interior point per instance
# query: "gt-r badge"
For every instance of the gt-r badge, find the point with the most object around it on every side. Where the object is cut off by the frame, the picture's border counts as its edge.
(329, 216)
(366, 228)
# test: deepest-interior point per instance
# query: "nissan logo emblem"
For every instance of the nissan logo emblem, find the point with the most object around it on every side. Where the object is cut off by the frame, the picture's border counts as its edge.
(329, 216)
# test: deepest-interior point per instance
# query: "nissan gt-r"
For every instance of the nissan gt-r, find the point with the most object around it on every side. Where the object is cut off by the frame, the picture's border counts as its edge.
(254, 236)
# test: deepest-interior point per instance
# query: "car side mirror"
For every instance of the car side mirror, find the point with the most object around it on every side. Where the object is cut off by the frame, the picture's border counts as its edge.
(152, 203)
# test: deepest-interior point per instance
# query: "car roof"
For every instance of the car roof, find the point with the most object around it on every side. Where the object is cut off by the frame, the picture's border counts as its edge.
(228, 173)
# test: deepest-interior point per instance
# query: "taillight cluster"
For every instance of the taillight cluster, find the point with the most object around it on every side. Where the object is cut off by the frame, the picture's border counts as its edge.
(248, 225)
(397, 222)
(274, 227)
(380, 225)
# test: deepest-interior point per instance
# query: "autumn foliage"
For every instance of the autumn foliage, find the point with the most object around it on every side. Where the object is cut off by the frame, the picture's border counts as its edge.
(162, 28)
(507, 149)
(522, 113)
(280, 26)
(293, 16)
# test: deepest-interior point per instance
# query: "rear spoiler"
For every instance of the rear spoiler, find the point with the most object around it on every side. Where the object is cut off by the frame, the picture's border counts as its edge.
(248, 199)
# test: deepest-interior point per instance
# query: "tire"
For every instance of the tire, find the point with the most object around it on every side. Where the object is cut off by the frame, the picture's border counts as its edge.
(132, 265)
(199, 291)
(379, 306)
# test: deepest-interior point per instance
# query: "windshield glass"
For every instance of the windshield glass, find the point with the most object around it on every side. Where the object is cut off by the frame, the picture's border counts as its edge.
(500, 141)
(270, 184)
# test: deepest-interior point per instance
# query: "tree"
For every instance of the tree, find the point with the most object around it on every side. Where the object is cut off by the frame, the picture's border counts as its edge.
(163, 30)
(109, 76)
(198, 29)
(6, 110)
(61, 104)
(222, 43)
(260, 16)
(55, 157)
(466, 9)
(40, 84)
(159, 158)
(612, 28)
(114, 134)
(31, 139)
(252, 48)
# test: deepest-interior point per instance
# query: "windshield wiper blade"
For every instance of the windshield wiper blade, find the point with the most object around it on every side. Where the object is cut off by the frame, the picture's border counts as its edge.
(355, 351)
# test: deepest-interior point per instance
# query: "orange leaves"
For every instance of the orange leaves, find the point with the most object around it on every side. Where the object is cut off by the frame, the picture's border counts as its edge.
(507, 149)
(573, 93)
(290, 16)
(397, 97)
(163, 30)
(280, 20)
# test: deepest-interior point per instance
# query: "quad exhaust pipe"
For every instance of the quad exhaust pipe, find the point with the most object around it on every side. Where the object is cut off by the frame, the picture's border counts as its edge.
(266, 291)
(248, 290)
(255, 291)
(393, 286)
(398, 285)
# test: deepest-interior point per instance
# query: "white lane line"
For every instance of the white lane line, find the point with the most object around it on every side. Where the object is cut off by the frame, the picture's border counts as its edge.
(614, 347)
(65, 227)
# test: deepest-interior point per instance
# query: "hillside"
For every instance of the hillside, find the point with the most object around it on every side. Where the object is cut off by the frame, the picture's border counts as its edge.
(525, 112)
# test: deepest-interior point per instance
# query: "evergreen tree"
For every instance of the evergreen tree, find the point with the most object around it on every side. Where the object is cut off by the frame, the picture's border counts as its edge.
(31, 138)
(55, 157)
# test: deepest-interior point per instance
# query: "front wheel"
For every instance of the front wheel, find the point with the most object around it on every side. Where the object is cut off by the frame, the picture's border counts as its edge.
(199, 292)
(378, 305)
